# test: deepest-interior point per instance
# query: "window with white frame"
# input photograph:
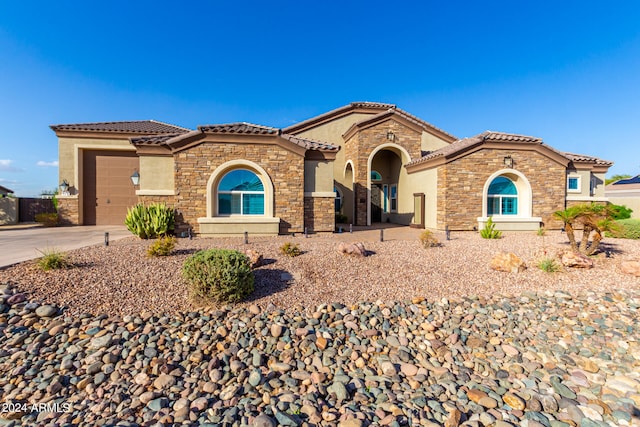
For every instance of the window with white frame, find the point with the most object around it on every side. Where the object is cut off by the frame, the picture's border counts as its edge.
(385, 198)
(338, 201)
(240, 192)
(502, 197)
(573, 183)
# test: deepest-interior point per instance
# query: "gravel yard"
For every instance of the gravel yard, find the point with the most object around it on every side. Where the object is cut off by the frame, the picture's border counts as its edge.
(121, 279)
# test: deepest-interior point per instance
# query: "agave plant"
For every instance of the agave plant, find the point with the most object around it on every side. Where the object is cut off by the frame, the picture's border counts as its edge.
(149, 222)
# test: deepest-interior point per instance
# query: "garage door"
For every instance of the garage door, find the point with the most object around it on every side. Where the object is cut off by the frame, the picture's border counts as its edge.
(108, 190)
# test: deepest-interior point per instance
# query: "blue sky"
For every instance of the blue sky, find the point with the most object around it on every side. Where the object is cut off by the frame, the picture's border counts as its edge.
(568, 71)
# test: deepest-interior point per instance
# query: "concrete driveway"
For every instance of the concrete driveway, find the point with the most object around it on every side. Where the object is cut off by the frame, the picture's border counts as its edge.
(20, 243)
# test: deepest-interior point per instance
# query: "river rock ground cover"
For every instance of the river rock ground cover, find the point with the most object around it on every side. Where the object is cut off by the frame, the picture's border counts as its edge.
(495, 351)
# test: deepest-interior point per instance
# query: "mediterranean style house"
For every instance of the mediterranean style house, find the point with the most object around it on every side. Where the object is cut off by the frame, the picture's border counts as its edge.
(368, 162)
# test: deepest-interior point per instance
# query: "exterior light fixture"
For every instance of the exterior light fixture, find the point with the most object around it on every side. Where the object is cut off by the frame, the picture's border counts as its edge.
(64, 186)
(391, 136)
(135, 178)
(508, 161)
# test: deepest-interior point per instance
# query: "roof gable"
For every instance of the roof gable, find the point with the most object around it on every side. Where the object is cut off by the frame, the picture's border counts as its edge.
(409, 119)
(354, 107)
(143, 127)
(490, 139)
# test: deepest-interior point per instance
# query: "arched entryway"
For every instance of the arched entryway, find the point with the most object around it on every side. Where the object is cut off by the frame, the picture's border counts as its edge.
(385, 175)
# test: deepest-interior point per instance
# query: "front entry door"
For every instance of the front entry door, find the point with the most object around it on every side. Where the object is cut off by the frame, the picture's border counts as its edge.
(376, 203)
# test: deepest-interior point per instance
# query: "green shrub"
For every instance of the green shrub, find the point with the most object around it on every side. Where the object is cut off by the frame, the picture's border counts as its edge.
(542, 231)
(489, 231)
(48, 219)
(53, 259)
(428, 240)
(218, 275)
(620, 211)
(549, 265)
(627, 229)
(341, 219)
(290, 249)
(149, 222)
(162, 247)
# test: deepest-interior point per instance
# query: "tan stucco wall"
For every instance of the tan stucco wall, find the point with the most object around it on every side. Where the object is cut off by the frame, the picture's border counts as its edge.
(156, 174)
(318, 176)
(631, 201)
(70, 158)
(8, 210)
(426, 181)
(431, 142)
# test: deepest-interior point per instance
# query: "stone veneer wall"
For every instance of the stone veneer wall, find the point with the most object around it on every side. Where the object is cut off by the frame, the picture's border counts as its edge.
(361, 145)
(195, 165)
(460, 185)
(319, 214)
(68, 210)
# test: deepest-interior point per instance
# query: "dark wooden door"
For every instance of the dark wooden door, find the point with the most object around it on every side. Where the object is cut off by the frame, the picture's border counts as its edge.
(108, 190)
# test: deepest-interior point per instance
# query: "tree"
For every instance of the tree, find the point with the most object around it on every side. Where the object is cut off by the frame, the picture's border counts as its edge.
(615, 178)
(594, 218)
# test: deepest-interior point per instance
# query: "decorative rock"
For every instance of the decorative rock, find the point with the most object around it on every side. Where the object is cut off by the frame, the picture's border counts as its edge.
(356, 249)
(570, 258)
(255, 258)
(631, 267)
(507, 262)
(164, 381)
(46, 311)
(263, 420)
(514, 401)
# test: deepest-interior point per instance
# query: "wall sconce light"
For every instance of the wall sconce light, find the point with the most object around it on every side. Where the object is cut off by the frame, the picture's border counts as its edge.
(508, 161)
(135, 178)
(64, 186)
(391, 136)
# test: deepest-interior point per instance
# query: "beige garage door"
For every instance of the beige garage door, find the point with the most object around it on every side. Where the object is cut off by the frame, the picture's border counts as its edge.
(108, 190)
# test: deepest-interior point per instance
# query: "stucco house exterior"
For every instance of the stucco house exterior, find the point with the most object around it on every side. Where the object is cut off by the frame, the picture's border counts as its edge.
(371, 162)
(625, 192)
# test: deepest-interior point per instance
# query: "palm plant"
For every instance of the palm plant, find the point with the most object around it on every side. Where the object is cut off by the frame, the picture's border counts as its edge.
(595, 218)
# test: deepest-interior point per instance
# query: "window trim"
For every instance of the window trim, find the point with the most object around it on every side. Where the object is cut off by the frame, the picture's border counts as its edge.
(241, 193)
(501, 199)
(385, 198)
(338, 198)
(578, 179)
(378, 176)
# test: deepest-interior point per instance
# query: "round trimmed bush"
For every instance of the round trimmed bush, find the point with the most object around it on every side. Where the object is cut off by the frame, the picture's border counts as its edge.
(219, 275)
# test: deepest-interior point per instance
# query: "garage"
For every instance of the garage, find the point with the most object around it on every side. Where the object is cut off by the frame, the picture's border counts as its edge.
(108, 190)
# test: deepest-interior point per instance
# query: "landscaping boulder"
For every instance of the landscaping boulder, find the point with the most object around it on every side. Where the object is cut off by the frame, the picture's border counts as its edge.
(352, 248)
(631, 267)
(255, 258)
(569, 258)
(507, 262)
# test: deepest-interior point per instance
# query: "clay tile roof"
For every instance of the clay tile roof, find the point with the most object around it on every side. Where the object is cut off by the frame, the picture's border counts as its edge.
(153, 140)
(145, 127)
(462, 144)
(240, 127)
(582, 158)
(366, 104)
(310, 144)
(410, 117)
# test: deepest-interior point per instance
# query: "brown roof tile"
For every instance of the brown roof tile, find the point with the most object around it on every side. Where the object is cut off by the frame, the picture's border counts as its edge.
(153, 140)
(148, 127)
(465, 143)
(310, 144)
(336, 113)
(240, 127)
(410, 117)
(582, 158)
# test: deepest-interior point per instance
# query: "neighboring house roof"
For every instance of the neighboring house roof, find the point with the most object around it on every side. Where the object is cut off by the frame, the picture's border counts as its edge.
(147, 127)
(627, 181)
(5, 190)
(240, 127)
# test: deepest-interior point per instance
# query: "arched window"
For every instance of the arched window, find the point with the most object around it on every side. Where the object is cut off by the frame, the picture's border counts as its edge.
(240, 192)
(502, 197)
(375, 176)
